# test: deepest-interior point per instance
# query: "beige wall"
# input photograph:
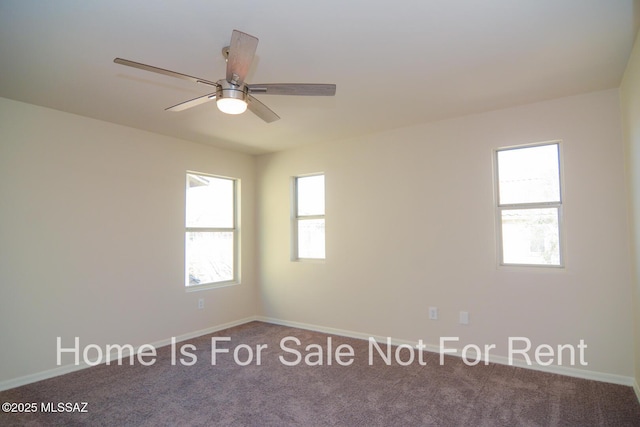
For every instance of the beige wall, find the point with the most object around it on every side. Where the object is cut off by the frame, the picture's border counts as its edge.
(91, 236)
(630, 100)
(410, 224)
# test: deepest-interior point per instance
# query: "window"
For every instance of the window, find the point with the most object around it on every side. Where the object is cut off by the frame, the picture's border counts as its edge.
(211, 234)
(529, 208)
(308, 217)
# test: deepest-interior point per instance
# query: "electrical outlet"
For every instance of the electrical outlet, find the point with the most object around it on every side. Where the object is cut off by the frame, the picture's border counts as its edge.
(464, 317)
(433, 313)
(200, 303)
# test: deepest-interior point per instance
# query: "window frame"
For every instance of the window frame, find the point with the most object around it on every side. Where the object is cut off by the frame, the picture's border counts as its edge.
(295, 219)
(235, 230)
(558, 205)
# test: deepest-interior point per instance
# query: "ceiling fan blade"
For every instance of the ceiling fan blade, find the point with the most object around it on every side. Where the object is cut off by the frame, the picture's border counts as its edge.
(261, 110)
(306, 89)
(162, 71)
(241, 52)
(192, 102)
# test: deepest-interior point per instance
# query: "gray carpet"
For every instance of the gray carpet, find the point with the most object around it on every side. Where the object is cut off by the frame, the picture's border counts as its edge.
(274, 394)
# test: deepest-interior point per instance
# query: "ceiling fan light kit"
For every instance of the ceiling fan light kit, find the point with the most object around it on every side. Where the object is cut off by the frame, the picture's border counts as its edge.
(233, 95)
(230, 98)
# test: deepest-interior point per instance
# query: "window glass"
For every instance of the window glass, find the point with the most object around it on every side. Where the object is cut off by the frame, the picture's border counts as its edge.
(310, 195)
(209, 257)
(209, 202)
(531, 236)
(529, 175)
(311, 238)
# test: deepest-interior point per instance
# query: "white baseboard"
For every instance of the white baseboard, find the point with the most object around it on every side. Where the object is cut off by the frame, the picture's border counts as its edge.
(555, 369)
(343, 332)
(65, 369)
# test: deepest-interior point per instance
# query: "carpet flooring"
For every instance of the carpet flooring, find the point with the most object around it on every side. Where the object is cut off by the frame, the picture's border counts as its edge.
(294, 389)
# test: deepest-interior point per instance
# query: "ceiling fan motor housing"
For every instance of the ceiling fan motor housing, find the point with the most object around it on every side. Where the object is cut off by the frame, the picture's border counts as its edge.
(227, 90)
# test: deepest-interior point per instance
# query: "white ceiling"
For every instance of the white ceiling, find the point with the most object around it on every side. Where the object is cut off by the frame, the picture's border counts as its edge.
(396, 63)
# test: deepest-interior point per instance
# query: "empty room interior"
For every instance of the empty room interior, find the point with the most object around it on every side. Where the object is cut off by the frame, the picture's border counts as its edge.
(456, 181)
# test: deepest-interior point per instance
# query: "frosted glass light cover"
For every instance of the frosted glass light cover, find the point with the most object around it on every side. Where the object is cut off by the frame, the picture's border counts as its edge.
(231, 105)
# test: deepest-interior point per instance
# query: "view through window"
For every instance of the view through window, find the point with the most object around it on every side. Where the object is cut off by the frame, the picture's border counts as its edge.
(309, 222)
(211, 234)
(529, 205)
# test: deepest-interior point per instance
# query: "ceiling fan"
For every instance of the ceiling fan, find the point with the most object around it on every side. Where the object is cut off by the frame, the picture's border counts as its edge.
(232, 94)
